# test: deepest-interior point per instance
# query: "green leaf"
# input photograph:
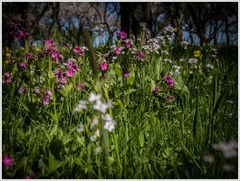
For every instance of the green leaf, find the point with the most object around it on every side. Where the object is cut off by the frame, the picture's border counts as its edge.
(52, 163)
(130, 91)
(141, 138)
(130, 80)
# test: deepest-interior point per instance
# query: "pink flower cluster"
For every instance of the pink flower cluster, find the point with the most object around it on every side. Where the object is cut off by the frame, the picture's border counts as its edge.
(169, 80)
(79, 51)
(104, 66)
(22, 65)
(139, 55)
(121, 35)
(47, 97)
(7, 78)
(7, 160)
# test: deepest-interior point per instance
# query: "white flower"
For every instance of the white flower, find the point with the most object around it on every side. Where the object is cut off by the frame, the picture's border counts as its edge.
(177, 68)
(169, 28)
(81, 105)
(95, 135)
(97, 150)
(109, 123)
(94, 97)
(99, 106)
(210, 66)
(94, 123)
(182, 60)
(192, 60)
(81, 128)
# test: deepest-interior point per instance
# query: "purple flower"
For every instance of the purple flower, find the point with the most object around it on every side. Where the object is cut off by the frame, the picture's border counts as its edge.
(139, 55)
(7, 161)
(22, 65)
(29, 56)
(121, 35)
(75, 68)
(48, 42)
(7, 78)
(81, 86)
(169, 80)
(69, 72)
(54, 55)
(155, 90)
(118, 50)
(104, 66)
(63, 80)
(58, 74)
(49, 93)
(69, 63)
(45, 100)
(128, 44)
(78, 50)
(126, 74)
(21, 90)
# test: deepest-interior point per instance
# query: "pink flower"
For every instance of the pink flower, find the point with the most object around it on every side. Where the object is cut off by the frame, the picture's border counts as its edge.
(63, 80)
(121, 35)
(7, 78)
(22, 65)
(48, 42)
(54, 55)
(78, 50)
(139, 55)
(169, 80)
(126, 74)
(45, 100)
(155, 90)
(104, 66)
(75, 68)
(81, 86)
(58, 74)
(128, 44)
(69, 72)
(22, 90)
(118, 50)
(69, 63)
(49, 93)
(29, 56)
(7, 161)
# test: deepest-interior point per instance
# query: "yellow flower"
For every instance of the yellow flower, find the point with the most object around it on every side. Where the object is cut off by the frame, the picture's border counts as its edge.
(8, 55)
(7, 61)
(38, 49)
(197, 53)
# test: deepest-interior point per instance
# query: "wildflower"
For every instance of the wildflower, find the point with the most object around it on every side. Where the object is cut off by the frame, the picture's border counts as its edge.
(169, 80)
(177, 68)
(54, 55)
(21, 90)
(37, 90)
(80, 129)
(117, 50)
(97, 150)
(22, 65)
(169, 28)
(63, 80)
(69, 72)
(104, 66)
(94, 123)
(69, 63)
(7, 78)
(229, 149)
(169, 99)
(48, 42)
(49, 93)
(78, 50)
(121, 35)
(95, 135)
(81, 106)
(182, 60)
(128, 44)
(80, 86)
(29, 56)
(45, 100)
(109, 123)
(139, 55)
(7, 160)
(228, 168)
(208, 158)
(184, 44)
(58, 74)
(196, 53)
(93, 97)
(192, 60)
(99, 106)
(126, 74)
(75, 68)
(155, 90)
(210, 66)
